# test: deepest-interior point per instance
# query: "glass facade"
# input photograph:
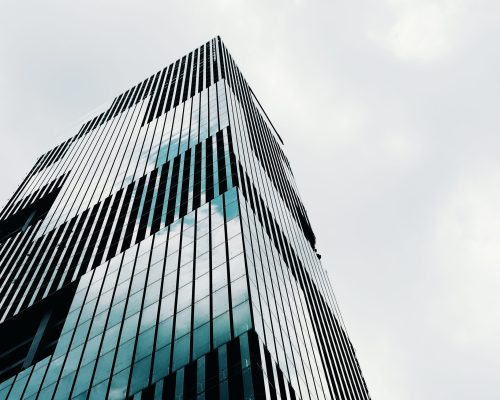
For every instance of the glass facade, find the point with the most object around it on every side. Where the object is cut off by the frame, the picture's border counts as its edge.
(163, 252)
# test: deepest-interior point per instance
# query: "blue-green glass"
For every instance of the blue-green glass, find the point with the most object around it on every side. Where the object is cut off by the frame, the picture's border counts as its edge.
(221, 330)
(36, 377)
(145, 344)
(91, 349)
(124, 355)
(200, 375)
(82, 381)
(99, 391)
(140, 374)
(148, 318)
(129, 328)
(201, 340)
(161, 363)
(239, 291)
(119, 383)
(241, 318)
(64, 386)
(220, 302)
(183, 322)
(104, 364)
(164, 335)
(201, 312)
(20, 383)
(181, 352)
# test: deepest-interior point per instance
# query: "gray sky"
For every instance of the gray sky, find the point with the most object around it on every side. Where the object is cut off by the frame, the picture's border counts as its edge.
(389, 112)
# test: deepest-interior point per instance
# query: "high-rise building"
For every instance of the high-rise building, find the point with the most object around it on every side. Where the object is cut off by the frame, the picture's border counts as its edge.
(164, 252)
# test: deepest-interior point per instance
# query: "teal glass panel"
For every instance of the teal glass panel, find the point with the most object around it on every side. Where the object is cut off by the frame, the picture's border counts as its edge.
(201, 340)
(83, 378)
(124, 355)
(221, 330)
(239, 291)
(164, 335)
(118, 387)
(181, 352)
(104, 364)
(161, 363)
(99, 391)
(140, 375)
(241, 318)
(144, 345)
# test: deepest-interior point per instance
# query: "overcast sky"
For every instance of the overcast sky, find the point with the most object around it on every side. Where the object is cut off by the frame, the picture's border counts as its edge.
(389, 110)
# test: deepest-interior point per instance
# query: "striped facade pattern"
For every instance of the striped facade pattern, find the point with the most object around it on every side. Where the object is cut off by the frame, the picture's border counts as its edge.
(189, 141)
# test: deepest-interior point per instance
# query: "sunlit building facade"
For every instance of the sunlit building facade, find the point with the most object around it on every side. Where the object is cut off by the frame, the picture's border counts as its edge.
(163, 252)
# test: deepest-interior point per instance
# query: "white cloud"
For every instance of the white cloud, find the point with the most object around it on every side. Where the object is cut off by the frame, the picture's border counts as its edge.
(421, 30)
(468, 249)
(402, 147)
